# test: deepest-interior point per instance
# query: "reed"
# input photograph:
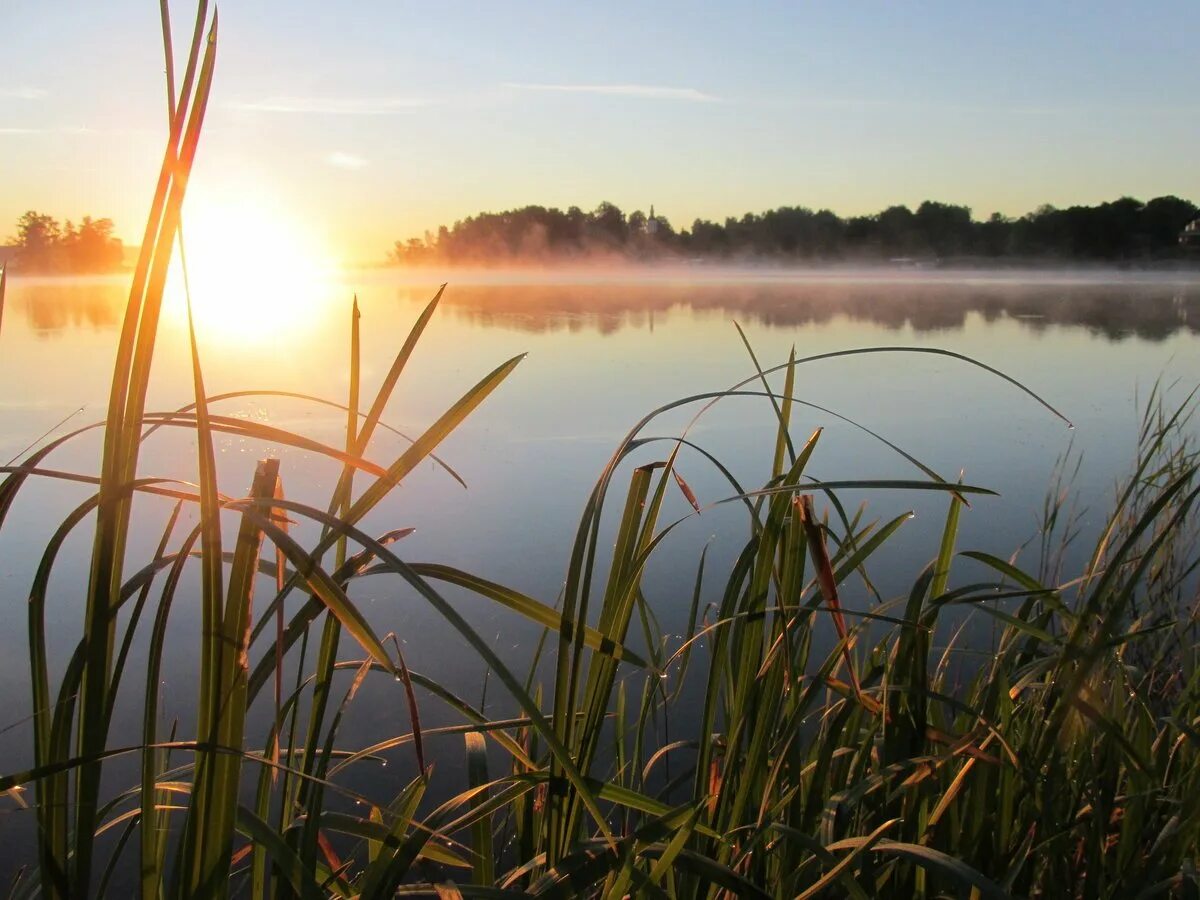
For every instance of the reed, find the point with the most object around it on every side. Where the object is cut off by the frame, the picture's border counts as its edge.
(3, 286)
(1061, 763)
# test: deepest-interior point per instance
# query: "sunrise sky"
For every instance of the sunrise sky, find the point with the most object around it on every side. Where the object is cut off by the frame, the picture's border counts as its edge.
(371, 121)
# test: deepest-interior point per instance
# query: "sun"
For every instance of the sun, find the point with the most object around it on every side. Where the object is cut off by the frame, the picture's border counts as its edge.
(254, 272)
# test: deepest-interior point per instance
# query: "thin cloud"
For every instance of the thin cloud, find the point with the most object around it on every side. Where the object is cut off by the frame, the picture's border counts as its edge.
(63, 129)
(23, 92)
(647, 91)
(880, 104)
(340, 160)
(332, 106)
(1140, 109)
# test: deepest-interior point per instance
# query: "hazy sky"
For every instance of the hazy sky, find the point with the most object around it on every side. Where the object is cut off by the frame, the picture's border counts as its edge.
(375, 120)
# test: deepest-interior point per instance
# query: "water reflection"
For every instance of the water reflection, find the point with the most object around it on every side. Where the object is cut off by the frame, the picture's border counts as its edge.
(237, 314)
(50, 306)
(1114, 311)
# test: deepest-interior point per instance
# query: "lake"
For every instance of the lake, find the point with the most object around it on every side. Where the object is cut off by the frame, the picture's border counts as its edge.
(602, 352)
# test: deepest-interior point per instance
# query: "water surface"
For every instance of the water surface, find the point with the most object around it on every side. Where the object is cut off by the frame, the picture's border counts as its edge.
(602, 352)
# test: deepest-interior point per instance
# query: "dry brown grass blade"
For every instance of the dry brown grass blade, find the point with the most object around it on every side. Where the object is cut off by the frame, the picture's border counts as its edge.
(964, 745)
(688, 493)
(715, 778)
(240, 855)
(331, 857)
(827, 582)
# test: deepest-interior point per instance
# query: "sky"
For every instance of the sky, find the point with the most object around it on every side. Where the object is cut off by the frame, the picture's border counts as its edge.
(373, 121)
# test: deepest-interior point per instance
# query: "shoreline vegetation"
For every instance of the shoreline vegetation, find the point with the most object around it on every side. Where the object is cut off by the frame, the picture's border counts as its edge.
(1124, 232)
(43, 246)
(844, 744)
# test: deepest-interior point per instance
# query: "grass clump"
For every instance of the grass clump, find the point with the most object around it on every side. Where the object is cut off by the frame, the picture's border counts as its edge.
(1062, 763)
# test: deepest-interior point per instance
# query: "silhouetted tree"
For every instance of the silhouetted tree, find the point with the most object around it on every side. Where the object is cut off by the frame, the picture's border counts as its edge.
(994, 237)
(944, 229)
(1120, 231)
(38, 237)
(91, 248)
(45, 246)
(897, 230)
(1163, 218)
(609, 225)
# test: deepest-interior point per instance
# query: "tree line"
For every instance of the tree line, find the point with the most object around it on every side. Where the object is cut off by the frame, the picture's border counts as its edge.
(1122, 230)
(42, 245)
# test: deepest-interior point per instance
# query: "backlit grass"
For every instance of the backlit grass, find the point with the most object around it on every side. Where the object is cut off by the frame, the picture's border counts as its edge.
(1061, 763)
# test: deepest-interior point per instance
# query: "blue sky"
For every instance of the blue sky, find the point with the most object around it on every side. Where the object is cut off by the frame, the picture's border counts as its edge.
(375, 120)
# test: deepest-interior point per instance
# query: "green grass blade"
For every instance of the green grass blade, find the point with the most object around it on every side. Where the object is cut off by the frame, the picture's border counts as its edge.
(215, 799)
(331, 594)
(783, 438)
(433, 436)
(119, 460)
(844, 865)
(528, 607)
(935, 860)
(484, 854)
(310, 796)
(297, 395)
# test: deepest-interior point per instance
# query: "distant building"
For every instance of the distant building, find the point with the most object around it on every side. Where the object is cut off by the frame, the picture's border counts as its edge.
(652, 222)
(1190, 236)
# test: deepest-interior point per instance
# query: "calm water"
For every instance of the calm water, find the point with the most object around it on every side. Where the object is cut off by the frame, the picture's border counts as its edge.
(600, 355)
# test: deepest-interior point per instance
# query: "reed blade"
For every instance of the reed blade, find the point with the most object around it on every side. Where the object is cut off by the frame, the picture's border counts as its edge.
(120, 455)
(3, 287)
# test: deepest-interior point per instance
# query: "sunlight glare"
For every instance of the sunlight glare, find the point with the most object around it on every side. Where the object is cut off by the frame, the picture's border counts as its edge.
(255, 274)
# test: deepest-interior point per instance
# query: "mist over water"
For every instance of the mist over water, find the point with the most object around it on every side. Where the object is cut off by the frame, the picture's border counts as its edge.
(1117, 304)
